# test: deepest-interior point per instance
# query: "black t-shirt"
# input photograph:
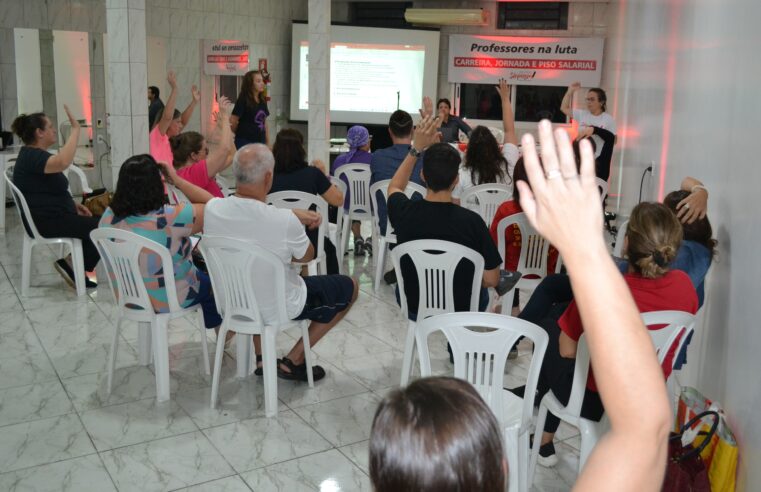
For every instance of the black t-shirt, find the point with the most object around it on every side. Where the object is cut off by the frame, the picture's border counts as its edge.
(251, 120)
(46, 194)
(308, 179)
(421, 219)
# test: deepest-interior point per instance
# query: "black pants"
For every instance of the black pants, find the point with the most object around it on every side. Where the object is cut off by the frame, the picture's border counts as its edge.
(330, 251)
(75, 226)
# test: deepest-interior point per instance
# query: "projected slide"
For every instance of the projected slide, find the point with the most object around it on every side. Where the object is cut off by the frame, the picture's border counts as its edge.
(378, 78)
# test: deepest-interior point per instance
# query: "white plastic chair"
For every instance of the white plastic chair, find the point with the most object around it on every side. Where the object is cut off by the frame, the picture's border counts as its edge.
(435, 274)
(234, 266)
(30, 241)
(479, 358)
(618, 248)
(358, 176)
(305, 201)
(81, 175)
(120, 251)
(7, 160)
(175, 195)
(224, 185)
(335, 231)
(678, 325)
(384, 241)
(533, 257)
(485, 199)
(602, 185)
(498, 133)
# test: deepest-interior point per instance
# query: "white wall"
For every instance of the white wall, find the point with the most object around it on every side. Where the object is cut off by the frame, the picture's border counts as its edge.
(29, 73)
(688, 77)
(72, 78)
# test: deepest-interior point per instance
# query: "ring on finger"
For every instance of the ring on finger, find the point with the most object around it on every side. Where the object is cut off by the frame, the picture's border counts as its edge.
(687, 206)
(552, 174)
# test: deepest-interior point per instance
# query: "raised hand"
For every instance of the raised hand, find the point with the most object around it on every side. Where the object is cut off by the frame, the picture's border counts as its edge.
(503, 89)
(225, 106)
(426, 133)
(693, 207)
(168, 171)
(427, 109)
(72, 120)
(171, 78)
(574, 87)
(195, 93)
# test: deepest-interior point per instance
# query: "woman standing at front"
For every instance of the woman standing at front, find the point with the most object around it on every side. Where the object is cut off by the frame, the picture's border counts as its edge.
(249, 118)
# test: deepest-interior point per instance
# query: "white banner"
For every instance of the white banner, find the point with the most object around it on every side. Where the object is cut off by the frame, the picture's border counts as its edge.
(225, 57)
(525, 60)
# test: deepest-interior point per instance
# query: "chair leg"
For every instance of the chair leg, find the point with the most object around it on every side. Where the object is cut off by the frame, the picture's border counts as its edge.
(161, 358)
(381, 252)
(507, 302)
(511, 450)
(409, 353)
(345, 232)
(243, 344)
(204, 344)
(218, 365)
(112, 354)
(523, 451)
(541, 418)
(269, 357)
(26, 266)
(78, 265)
(309, 359)
(144, 342)
(590, 433)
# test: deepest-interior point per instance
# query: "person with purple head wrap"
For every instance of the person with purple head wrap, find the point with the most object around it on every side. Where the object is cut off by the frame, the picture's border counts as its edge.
(358, 139)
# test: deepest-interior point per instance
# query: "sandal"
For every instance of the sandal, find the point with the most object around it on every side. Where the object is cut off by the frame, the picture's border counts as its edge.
(258, 371)
(297, 373)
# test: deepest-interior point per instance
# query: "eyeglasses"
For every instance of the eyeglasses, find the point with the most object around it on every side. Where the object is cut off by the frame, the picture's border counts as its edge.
(591, 99)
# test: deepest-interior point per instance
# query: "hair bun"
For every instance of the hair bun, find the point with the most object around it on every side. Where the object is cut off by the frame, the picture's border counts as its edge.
(659, 259)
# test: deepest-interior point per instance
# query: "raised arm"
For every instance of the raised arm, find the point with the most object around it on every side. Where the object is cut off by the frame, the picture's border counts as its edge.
(565, 105)
(426, 134)
(427, 109)
(65, 156)
(218, 158)
(694, 206)
(564, 207)
(195, 97)
(168, 114)
(508, 118)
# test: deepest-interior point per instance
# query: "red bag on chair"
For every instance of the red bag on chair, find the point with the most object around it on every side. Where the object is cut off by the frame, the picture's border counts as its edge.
(685, 470)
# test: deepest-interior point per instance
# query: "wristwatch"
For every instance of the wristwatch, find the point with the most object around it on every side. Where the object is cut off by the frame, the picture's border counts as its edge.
(415, 152)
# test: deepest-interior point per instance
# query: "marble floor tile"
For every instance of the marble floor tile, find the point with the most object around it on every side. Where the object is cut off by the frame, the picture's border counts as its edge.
(547, 480)
(135, 422)
(85, 474)
(12, 321)
(371, 311)
(25, 369)
(130, 384)
(77, 313)
(89, 359)
(229, 484)
(259, 442)
(375, 371)
(96, 329)
(238, 400)
(21, 341)
(359, 454)
(346, 341)
(42, 441)
(166, 464)
(335, 384)
(33, 402)
(342, 421)
(568, 463)
(322, 471)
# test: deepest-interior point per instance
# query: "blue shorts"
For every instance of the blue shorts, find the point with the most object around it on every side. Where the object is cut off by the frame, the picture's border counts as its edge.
(327, 295)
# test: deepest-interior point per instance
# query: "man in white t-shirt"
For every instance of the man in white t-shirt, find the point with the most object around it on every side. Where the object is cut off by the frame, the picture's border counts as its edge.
(323, 299)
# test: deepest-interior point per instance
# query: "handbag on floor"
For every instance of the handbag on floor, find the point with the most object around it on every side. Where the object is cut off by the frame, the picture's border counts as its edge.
(686, 471)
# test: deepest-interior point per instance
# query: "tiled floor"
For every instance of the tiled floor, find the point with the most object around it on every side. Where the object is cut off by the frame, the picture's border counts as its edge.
(59, 430)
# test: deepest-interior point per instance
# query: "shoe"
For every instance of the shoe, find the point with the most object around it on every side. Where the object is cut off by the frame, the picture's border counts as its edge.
(513, 353)
(359, 247)
(298, 373)
(519, 391)
(451, 355)
(507, 281)
(258, 371)
(64, 269)
(368, 247)
(547, 457)
(390, 277)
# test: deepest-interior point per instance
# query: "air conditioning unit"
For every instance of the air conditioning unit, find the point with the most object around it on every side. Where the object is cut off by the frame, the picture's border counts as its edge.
(447, 17)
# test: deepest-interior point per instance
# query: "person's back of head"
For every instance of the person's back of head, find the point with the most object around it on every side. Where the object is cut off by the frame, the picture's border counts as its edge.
(176, 115)
(483, 157)
(400, 124)
(184, 145)
(440, 167)
(139, 189)
(700, 230)
(251, 164)
(289, 151)
(26, 126)
(437, 434)
(652, 239)
(519, 174)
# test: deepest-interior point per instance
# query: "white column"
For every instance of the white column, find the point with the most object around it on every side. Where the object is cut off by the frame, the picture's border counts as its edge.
(127, 81)
(319, 80)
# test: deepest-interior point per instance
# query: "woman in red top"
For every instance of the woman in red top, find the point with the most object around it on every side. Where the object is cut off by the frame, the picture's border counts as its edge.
(651, 243)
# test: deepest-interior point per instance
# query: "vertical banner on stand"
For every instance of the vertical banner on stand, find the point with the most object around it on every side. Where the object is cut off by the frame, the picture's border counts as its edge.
(225, 57)
(525, 60)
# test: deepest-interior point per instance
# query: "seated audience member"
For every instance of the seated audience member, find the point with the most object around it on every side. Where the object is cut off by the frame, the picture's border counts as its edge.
(39, 176)
(632, 455)
(437, 434)
(651, 243)
(436, 217)
(169, 122)
(292, 173)
(323, 299)
(450, 125)
(140, 206)
(484, 162)
(358, 139)
(193, 160)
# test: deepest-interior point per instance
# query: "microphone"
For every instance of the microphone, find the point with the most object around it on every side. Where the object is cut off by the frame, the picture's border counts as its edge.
(397, 100)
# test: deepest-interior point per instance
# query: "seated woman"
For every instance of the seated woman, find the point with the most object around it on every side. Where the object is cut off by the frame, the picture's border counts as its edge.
(193, 160)
(292, 173)
(484, 162)
(39, 176)
(651, 243)
(437, 434)
(140, 206)
(358, 139)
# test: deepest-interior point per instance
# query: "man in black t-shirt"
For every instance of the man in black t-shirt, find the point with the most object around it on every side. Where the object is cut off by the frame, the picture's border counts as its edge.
(436, 217)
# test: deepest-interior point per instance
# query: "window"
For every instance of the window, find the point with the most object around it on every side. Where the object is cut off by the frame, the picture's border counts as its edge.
(229, 86)
(532, 15)
(530, 102)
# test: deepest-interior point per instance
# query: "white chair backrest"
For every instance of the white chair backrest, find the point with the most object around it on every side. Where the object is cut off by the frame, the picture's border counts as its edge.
(480, 356)
(580, 374)
(534, 248)
(305, 201)
(234, 265)
(618, 249)
(485, 199)
(498, 133)
(175, 195)
(21, 206)
(73, 168)
(382, 188)
(678, 323)
(121, 251)
(358, 176)
(224, 185)
(435, 263)
(338, 183)
(602, 185)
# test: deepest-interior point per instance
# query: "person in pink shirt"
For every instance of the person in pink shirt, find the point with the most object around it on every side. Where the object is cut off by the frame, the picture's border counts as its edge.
(192, 158)
(170, 122)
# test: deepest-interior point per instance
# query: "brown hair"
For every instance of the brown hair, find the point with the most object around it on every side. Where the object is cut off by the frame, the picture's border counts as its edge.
(653, 235)
(437, 434)
(247, 91)
(699, 231)
(185, 144)
(26, 126)
(483, 157)
(289, 151)
(601, 96)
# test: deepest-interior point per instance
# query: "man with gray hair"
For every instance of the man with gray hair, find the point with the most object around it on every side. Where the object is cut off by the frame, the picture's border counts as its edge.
(323, 299)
